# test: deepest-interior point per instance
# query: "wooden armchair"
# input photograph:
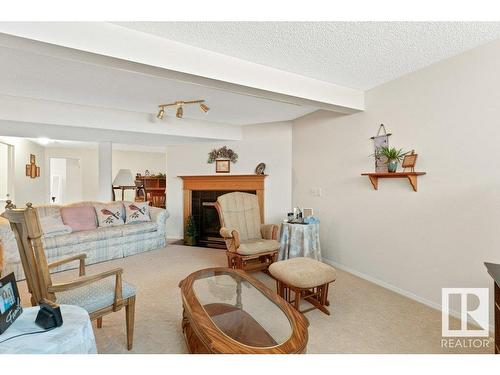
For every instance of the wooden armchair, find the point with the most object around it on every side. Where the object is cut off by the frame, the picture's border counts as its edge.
(141, 194)
(99, 294)
(251, 245)
(158, 198)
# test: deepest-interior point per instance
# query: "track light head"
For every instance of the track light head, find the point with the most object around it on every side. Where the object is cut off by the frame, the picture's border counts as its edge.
(160, 114)
(204, 107)
(179, 112)
(179, 104)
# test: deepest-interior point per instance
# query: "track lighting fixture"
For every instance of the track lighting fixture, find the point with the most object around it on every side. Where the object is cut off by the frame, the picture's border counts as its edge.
(179, 104)
(204, 107)
(160, 114)
(179, 112)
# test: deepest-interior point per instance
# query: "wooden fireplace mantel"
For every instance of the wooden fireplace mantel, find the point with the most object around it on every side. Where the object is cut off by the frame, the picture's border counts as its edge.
(229, 182)
(224, 182)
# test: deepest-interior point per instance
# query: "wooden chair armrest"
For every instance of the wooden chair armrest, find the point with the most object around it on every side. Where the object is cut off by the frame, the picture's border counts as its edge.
(80, 257)
(232, 238)
(269, 231)
(82, 281)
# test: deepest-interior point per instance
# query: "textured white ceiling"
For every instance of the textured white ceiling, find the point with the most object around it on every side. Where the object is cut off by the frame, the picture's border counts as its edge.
(359, 55)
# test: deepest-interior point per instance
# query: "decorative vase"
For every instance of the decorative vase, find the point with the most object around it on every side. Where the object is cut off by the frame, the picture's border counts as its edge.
(392, 166)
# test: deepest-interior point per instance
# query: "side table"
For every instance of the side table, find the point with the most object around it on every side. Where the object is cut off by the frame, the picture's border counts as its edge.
(75, 336)
(299, 240)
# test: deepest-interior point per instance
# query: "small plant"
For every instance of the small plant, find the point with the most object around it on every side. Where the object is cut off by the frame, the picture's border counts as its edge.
(191, 232)
(392, 154)
(191, 227)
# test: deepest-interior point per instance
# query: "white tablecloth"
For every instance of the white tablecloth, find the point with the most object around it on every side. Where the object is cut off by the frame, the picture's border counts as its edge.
(75, 336)
(299, 240)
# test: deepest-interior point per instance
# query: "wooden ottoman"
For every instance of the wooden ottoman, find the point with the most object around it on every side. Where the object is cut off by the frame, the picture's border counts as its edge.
(307, 278)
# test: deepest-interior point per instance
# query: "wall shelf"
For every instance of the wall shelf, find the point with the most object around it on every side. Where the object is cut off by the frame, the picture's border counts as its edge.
(411, 176)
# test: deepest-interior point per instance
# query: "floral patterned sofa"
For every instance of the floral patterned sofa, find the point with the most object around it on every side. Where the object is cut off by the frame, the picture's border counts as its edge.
(101, 244)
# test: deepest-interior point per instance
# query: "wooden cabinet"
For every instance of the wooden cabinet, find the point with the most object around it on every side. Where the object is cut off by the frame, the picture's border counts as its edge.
(497, 319)
(156, 189)
(153, 182)
(494, 271)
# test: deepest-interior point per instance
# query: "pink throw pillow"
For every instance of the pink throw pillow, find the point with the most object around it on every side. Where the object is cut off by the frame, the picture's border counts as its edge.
(79, 218)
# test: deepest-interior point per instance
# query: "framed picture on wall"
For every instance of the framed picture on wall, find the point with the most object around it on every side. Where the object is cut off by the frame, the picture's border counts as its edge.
(222, 166)
(32, 159)
(409, 161)
(28, 170)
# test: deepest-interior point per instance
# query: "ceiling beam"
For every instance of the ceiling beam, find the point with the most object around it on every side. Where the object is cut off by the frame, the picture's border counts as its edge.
(49, 112)
(118, 47)
(73, 133)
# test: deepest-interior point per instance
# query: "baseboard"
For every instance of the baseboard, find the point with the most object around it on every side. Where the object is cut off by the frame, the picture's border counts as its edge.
(405, 293)
(174, 238)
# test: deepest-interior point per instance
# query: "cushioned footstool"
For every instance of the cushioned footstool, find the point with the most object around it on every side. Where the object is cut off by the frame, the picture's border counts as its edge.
(307, 278)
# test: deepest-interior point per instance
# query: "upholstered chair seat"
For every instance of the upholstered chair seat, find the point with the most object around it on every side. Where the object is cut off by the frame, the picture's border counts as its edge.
(250, 244)
(251, 247)
(95, 296)
(307, 278)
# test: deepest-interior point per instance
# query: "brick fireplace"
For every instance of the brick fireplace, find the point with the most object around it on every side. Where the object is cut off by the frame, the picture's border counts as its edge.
(201, 192)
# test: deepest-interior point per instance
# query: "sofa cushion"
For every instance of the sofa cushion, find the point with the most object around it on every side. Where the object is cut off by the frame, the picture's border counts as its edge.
(79, 218)
(52, 226)
(136, 212)
(50, 210)
(109, 215)
(138, 228)
(118, 205)
(303, 272)
(251, 247)
(95, 296)
(82, 237)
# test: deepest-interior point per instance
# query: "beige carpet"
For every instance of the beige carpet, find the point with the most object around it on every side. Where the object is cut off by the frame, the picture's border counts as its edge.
(365, 317)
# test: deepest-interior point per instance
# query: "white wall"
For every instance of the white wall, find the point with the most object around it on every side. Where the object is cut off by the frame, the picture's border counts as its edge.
(268, 143)
(439, 236)
(27, 189)
(89, 169)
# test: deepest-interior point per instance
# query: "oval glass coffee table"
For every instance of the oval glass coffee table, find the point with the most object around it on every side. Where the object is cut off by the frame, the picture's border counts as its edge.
(228, 311)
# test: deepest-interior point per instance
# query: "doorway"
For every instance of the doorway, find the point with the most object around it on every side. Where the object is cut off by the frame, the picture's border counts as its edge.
(6, 173)
(65, 180)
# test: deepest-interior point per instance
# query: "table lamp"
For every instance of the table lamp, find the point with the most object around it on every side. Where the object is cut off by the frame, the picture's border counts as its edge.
(124, 178)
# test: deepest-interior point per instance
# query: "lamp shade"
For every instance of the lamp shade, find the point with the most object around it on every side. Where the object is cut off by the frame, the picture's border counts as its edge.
(124, 178)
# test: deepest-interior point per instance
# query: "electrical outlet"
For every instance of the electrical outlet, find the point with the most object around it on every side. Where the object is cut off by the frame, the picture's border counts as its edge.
(316, 192)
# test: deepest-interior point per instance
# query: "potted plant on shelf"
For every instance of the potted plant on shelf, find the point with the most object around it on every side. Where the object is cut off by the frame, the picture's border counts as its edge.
(394, 157)
(191, 232)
